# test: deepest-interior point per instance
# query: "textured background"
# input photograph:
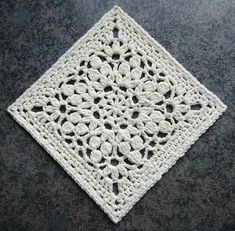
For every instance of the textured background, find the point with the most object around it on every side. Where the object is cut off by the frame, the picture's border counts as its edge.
(198, 193)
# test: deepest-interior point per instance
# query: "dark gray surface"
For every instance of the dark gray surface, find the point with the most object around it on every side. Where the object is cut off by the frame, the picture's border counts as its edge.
(196, 194)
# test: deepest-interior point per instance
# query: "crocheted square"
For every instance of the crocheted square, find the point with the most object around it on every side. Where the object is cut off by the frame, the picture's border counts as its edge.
(116, 111)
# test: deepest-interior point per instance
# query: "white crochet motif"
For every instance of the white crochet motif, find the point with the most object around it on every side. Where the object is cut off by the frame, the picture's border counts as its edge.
(116, 111)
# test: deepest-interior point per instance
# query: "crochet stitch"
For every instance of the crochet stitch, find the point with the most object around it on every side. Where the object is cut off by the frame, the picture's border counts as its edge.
(116, 111)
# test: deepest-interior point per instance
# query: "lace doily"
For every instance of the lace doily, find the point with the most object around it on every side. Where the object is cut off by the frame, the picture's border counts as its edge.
(116, 111)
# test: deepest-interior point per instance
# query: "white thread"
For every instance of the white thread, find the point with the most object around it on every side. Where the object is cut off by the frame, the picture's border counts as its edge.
(116, 111)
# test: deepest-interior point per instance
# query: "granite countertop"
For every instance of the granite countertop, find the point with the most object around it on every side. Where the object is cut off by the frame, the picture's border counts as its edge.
(196, 194)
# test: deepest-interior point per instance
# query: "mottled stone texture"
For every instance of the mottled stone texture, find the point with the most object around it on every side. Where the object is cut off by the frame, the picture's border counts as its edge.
(198, 193)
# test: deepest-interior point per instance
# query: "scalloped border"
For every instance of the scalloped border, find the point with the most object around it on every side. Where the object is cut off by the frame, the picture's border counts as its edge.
(155, 178)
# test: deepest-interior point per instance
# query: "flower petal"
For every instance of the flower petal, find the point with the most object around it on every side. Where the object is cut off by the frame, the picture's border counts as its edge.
(137, 142)
(125, 134)
(94, 75)
(122, 170)
(149, 86)
(75, 99)
(93, 125)
(67, 127)
(124, 68)
(124, 147)
(96, 156)
(135, 61)
(55, 102)
(150, 127)
(107, 170)
(81, 129)
(74, 117)
(165, 126)
(106, 148)
(136, 73)
(163, 88)
(105, 70)
(132, 130)
(115, 173)
(55, 115)
(68, 89)
(95, 142)
(80, 87)
(95, 62)
(157, 116)
(155, 97)
(135, 156)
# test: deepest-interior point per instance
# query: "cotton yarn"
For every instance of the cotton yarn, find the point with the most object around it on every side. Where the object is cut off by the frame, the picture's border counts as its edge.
(116, 111)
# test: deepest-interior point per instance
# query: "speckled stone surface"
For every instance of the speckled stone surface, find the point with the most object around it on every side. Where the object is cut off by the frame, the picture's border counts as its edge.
(198, 193)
